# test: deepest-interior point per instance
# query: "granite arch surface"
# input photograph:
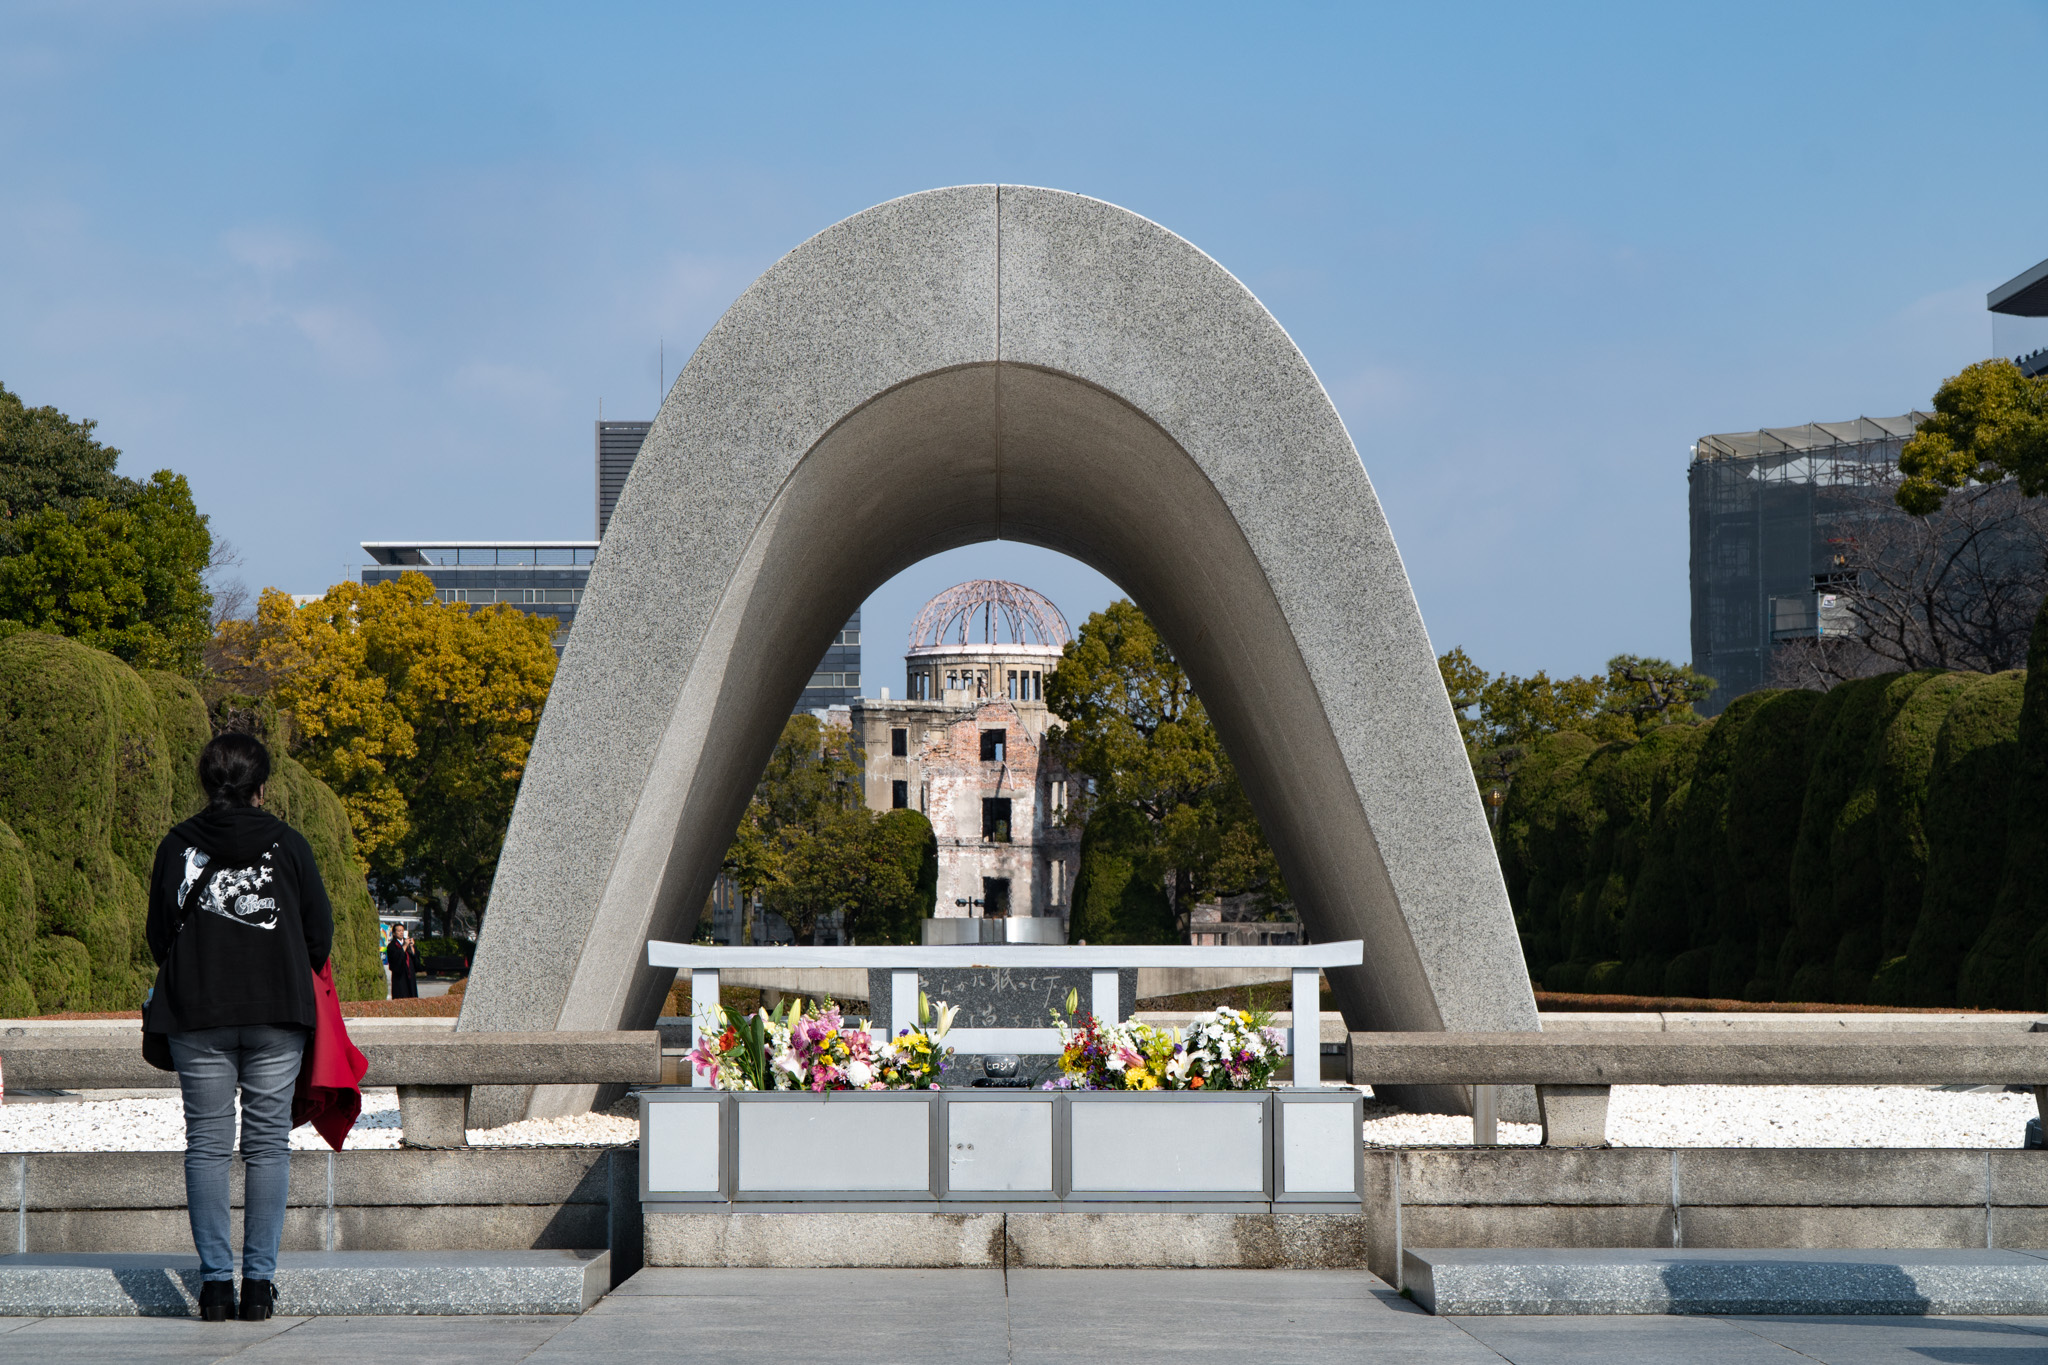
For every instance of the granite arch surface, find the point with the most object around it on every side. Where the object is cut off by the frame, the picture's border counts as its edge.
(961, 365)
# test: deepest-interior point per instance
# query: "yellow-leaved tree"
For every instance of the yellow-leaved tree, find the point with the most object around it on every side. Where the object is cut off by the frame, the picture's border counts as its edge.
(419, 713)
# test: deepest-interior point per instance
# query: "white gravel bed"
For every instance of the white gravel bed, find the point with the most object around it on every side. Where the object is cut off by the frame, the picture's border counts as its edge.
(1753, 1116)
(157, 1124)
(1638, 1116)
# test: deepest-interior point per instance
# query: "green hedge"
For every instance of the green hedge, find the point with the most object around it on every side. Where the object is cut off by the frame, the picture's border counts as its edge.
(1542, 855)
(97, 761)
(2007, 968)
(1838, 872)
(1885, 842)
(1965, 818)
(1721, 953)
(1905, 763)
(1767, 790)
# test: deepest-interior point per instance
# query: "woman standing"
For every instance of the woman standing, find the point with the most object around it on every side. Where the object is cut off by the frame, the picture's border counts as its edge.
(404, 961)
(238, 923)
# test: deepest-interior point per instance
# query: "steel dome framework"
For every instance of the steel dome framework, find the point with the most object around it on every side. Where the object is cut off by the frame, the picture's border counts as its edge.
(949, 617)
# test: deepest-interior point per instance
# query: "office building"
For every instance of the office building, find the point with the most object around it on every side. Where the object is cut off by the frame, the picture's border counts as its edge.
(547, 577)
(2019, 320)
(617, 444)
(544, 577)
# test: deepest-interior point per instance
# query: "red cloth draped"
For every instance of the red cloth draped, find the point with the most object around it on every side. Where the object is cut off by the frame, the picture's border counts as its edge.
(329, 1093)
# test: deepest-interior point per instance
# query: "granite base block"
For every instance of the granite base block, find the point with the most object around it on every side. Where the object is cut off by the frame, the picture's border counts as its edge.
(1484, 1283)
(312, 1283)
(1056, 1240)
(816, 1240)
(1238, 1241)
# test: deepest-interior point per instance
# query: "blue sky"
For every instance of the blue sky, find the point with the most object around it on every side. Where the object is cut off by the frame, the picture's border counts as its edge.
(366, 271)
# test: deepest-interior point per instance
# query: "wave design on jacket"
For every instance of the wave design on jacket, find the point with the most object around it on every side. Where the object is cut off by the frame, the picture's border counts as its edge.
(232, 891)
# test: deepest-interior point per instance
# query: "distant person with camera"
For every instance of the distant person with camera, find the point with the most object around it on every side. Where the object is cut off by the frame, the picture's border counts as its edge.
(403, 958)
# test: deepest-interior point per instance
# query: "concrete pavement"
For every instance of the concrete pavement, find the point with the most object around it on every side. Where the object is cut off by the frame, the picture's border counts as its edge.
(972, 1317)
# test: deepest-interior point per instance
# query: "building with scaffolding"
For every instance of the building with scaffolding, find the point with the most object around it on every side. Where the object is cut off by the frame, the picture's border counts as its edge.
(1772, 514)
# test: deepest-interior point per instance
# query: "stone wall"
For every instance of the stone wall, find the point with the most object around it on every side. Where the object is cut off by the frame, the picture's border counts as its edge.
(475, 1199)
(1701, 1197)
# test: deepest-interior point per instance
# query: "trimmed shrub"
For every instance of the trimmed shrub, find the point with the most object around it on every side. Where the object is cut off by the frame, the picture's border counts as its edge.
(1602, 978)
(96, 763)
(17, 927)
(1839, 736)
(1966, 820)
(1837, 889)
(1767, 788)
(60, 975)
(1689, 976)
(1657, 925)
(1542, 854)
(2008, 965)
(1717, 914)
(1856, 853)
(181, 713)
(309, 806)
(1116, 900)
(69, 717)
(1905, 761)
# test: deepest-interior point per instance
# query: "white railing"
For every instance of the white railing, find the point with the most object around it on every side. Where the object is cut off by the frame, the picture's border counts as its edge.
(1304, 962)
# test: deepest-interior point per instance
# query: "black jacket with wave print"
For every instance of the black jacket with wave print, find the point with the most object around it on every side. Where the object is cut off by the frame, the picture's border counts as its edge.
(256, 923)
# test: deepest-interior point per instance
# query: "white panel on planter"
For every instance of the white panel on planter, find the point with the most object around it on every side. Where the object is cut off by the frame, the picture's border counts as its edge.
(999, 1145)
(1318, 1144)
(855, 1142)
(682, 1148)
(1161, 1145)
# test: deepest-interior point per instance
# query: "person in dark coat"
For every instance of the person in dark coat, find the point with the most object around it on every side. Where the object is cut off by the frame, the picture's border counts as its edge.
(403, 958)
(239, 922)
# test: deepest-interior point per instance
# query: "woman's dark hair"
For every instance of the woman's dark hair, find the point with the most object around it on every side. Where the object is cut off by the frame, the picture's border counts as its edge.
(233, 767)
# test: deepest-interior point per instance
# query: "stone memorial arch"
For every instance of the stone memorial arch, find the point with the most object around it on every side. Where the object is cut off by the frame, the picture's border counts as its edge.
(956, 366)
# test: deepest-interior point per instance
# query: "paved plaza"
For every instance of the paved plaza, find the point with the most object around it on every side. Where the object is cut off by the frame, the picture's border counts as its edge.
(980, 1317)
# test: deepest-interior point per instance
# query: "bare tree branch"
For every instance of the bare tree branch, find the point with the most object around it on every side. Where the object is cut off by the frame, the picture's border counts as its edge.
(1955, 589)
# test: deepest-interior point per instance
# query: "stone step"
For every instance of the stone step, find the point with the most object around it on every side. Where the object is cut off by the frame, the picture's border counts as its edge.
(311, 1283)
(1475, 1282)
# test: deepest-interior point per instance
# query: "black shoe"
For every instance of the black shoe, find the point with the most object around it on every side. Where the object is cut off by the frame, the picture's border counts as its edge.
(258, 1299)
(217, 1300)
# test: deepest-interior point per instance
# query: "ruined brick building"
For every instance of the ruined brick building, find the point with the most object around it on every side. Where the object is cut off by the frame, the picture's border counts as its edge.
(968, 746)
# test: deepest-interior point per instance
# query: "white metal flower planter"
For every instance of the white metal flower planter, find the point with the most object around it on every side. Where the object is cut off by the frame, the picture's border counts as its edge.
(1001, 1147)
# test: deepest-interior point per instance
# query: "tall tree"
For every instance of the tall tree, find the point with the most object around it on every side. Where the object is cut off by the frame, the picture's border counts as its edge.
(48, 460)
(118, 564)
(1990, 424)
(1953, 588)
(1166, 812)
(420, 714)
(808, 847)
(127, 578)
(1501, 715)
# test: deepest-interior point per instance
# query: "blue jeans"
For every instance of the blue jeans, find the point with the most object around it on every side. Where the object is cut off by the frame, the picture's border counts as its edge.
(263, 1059)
